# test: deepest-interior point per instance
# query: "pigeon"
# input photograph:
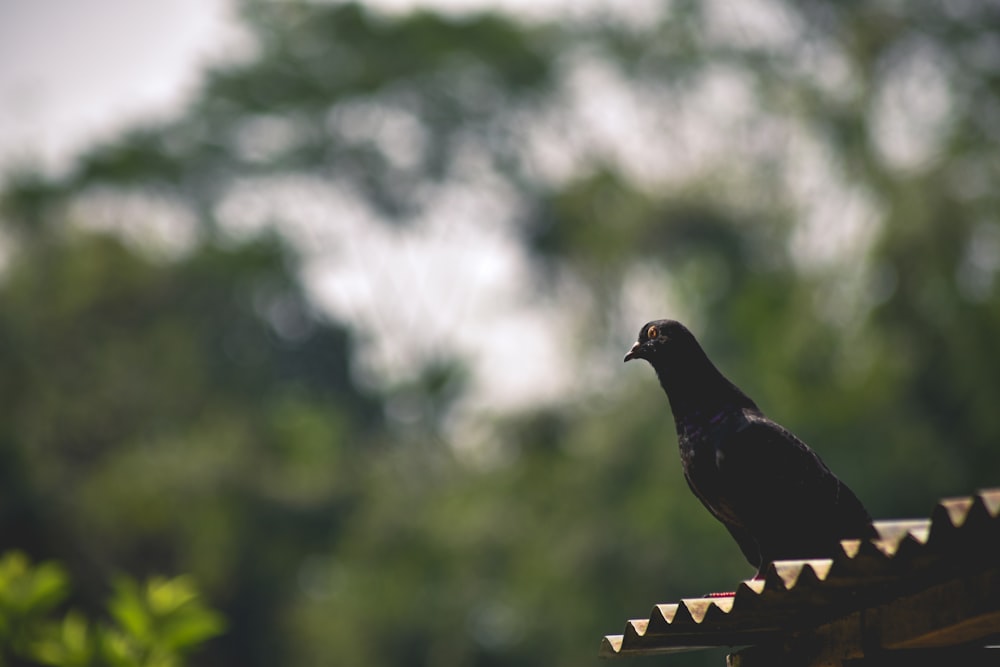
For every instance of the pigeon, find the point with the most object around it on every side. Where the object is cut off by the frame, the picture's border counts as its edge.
(772, 492)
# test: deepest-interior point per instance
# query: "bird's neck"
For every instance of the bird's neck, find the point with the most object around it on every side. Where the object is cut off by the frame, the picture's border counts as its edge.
(698, 391)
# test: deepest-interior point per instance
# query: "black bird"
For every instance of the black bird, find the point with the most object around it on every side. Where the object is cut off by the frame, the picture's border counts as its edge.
(772, 492)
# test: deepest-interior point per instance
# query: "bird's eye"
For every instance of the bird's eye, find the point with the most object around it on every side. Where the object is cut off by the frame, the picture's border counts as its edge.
(651, 332)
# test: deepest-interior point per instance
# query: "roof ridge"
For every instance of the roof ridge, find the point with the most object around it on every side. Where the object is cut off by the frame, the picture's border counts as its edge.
(961, 537)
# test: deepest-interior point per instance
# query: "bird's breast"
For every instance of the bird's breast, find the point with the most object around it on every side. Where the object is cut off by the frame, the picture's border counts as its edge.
(700, 462)
(698, 442)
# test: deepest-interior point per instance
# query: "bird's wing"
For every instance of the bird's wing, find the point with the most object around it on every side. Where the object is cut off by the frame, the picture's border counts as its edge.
(748, 545)
(771, 475)
(761, 445)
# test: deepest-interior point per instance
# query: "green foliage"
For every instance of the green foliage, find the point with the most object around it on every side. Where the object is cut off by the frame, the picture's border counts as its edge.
(157, 622)
(156, 625)
(27, 595)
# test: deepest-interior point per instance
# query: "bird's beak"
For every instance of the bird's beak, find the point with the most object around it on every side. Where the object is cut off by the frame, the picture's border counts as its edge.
(633, 352)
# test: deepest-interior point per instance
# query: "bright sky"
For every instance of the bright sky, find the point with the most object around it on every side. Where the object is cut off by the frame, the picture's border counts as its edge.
(73, 73)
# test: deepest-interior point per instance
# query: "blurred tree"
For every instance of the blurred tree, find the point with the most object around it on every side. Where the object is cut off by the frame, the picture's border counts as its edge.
(175, 416)
(807, 184)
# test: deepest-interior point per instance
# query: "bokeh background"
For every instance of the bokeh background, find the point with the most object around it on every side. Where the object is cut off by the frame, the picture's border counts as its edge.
(337, 329)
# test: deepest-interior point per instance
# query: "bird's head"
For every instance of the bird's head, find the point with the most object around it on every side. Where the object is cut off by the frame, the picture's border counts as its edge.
(690, 379)
(661, 342)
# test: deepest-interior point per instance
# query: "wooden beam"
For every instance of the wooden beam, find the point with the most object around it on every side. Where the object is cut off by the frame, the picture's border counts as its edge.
(913, 629)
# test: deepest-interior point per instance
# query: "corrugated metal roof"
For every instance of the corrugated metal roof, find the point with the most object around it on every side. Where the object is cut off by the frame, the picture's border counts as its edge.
(923, 583)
